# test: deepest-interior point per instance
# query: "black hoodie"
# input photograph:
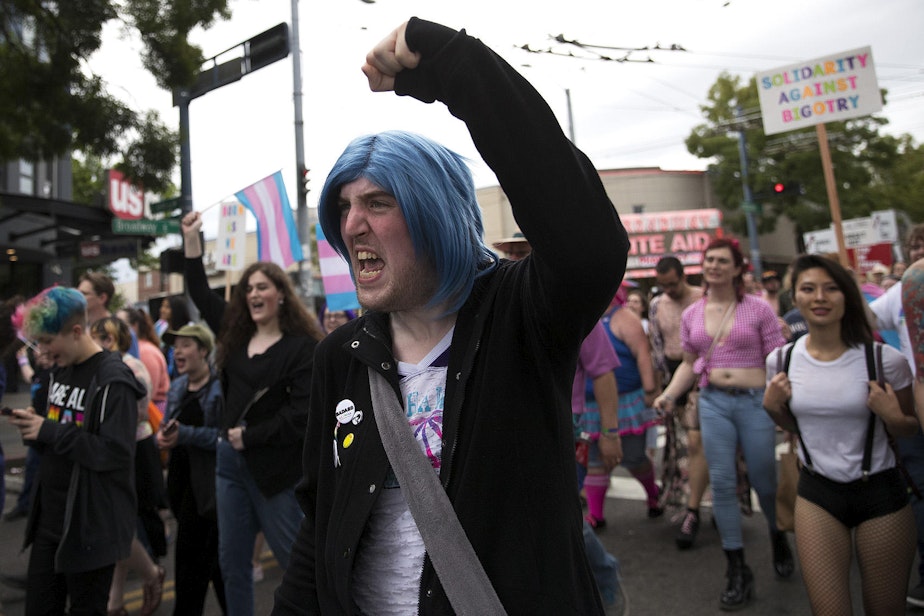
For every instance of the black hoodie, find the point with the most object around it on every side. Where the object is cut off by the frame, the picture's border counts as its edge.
(100, 512)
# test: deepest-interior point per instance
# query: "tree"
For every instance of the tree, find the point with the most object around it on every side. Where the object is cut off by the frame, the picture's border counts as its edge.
(89, 180)
(50, 103)
(872, 171)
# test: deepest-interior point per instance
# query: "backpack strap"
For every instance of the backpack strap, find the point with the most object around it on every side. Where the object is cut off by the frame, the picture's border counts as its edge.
(782, 365)
(872, 375)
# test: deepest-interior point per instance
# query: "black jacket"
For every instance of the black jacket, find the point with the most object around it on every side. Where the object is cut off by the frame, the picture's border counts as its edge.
(101, 503)
(276, 422)
(508, 450)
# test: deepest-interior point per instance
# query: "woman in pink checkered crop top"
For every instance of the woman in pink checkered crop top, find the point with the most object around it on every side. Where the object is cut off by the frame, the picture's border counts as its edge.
(726, 338)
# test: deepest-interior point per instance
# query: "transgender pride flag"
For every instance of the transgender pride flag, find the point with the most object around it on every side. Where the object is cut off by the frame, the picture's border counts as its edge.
(277, 237)
(335, 274)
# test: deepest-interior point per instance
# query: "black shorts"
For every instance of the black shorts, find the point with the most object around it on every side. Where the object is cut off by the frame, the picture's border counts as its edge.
(672, 365)
(855, 502)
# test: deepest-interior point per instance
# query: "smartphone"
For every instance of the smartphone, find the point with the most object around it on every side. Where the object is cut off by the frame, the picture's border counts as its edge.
(171, 427)
(6, 411)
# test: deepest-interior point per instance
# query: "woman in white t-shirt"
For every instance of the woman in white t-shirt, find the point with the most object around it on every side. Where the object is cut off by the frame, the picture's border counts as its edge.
(851, 495)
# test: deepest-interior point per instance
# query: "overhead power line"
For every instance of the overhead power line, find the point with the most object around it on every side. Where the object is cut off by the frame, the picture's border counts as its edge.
(595, 52)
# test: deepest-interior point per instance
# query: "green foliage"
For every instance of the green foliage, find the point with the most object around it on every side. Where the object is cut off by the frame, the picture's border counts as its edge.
(150, 159)
(50, 103)
(872, 171)
(165, 26)
(89, 180)
(145, 260)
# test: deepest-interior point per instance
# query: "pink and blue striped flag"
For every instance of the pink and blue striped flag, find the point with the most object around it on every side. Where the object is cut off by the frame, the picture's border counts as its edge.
(277, 236)
(335, 274)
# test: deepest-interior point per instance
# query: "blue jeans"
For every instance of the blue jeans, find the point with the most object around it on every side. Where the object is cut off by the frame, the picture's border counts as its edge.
(603, 564)
(725, 421)
(911, 451)
(242, 512)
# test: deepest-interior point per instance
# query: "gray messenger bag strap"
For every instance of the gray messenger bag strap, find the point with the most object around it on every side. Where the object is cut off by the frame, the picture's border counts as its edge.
(460, 572)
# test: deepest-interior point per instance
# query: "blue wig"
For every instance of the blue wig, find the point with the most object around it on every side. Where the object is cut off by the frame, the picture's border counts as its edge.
(52, 310)
(436, 194)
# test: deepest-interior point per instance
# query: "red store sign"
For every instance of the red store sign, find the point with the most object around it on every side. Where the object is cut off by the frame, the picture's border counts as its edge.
(681, 233)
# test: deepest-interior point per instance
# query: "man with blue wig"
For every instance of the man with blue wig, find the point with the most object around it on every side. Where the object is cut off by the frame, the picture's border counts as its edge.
(480, 352)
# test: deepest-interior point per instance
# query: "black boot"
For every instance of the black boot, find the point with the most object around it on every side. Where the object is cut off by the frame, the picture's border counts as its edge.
(782, 555)
(740, 589)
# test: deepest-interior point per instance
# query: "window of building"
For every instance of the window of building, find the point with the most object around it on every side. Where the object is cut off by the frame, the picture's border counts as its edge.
(26, 177)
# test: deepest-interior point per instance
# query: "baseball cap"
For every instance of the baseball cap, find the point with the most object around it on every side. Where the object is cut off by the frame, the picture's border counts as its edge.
(770, 275)
(196, 331)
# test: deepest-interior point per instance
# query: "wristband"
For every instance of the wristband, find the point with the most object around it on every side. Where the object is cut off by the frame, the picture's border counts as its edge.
(612, 433)
(22, 361)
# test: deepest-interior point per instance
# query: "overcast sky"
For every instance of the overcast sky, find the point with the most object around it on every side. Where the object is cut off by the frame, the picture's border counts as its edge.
(625, 114)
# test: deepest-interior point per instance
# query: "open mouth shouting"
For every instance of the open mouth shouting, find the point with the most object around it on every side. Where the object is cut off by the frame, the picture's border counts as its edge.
(256, 305)
(370, 266)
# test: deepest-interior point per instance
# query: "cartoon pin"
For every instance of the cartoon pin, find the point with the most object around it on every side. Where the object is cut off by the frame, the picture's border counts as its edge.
(358, 417)
(348, 440)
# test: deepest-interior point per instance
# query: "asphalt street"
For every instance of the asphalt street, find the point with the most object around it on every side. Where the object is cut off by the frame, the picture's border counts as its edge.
(658, 578)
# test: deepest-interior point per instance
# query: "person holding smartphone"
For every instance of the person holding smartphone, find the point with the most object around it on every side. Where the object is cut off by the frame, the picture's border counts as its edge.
(84, 516)
(190, 433)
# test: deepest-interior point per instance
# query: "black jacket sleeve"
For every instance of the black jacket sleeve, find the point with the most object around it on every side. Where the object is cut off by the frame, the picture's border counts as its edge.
(579, 245)
(210, 304)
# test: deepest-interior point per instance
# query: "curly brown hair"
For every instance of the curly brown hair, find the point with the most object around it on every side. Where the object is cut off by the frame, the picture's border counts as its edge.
(238, 328)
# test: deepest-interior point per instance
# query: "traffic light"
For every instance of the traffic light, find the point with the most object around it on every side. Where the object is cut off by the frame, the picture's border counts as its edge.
(787, 189)
(780, 189)
(304, 180)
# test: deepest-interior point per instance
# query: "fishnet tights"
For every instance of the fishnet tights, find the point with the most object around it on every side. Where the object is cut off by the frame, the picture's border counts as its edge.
(885, 552)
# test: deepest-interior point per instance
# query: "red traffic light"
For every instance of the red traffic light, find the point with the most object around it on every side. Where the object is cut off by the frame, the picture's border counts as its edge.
(305, 179)
(779, 187)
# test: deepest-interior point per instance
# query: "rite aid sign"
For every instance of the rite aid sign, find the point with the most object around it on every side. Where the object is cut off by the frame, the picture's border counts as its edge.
(126, 200)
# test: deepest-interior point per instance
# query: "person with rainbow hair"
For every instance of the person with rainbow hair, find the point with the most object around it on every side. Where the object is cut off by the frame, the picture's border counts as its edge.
(83, 518)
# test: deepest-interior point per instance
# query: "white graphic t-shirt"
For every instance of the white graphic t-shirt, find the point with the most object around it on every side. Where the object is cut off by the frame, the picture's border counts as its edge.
(386, 577)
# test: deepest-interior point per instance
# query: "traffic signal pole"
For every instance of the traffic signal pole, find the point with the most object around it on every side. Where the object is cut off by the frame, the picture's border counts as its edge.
(244, 58)
(748, 205)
